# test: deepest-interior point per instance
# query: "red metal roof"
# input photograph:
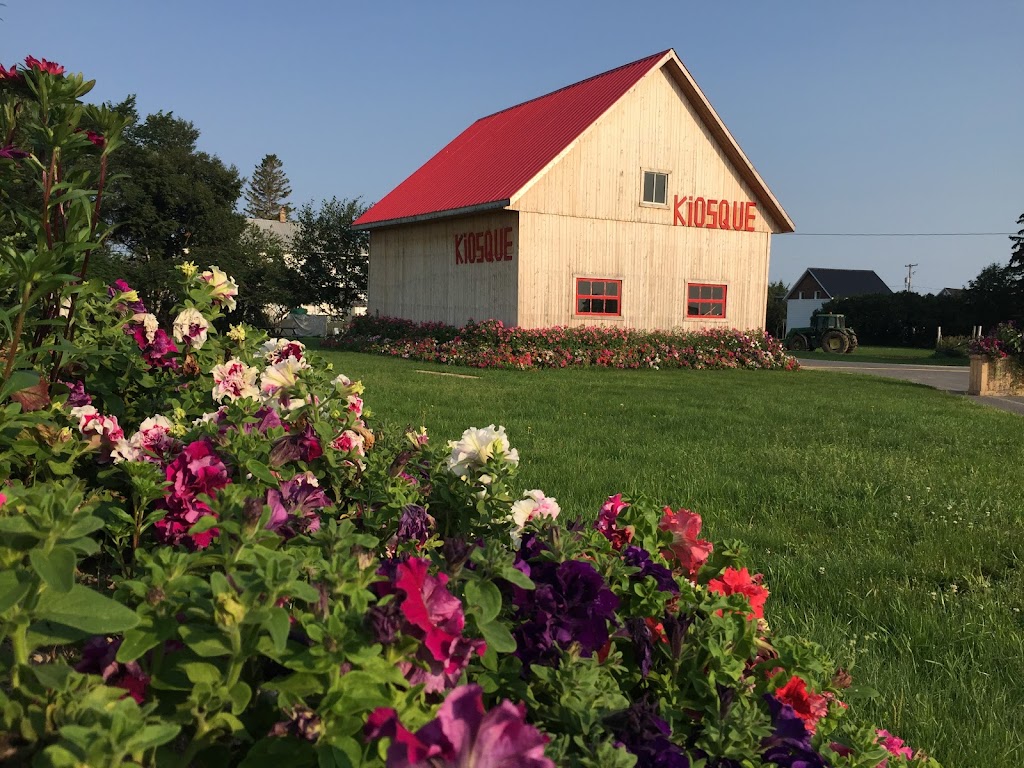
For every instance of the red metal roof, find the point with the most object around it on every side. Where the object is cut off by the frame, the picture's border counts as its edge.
(497, 155)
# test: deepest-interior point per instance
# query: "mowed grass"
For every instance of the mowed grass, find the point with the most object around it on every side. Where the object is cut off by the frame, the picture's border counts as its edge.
(888, 518)
(901, 355)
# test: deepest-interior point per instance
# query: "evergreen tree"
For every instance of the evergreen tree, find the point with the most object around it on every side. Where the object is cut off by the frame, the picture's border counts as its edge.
(268, 189)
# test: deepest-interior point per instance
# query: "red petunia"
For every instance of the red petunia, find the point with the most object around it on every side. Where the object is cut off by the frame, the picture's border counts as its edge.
(808, 706)
(740, 582)
(9, 74)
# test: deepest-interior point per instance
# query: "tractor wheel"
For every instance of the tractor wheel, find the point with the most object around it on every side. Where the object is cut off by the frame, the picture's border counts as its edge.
(797, 343)
(834, 342)
(853, 342)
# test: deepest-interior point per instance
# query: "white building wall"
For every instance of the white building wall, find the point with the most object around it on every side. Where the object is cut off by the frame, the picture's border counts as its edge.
(799, 311)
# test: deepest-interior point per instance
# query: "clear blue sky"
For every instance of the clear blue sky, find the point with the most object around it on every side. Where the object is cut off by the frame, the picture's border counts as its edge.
(861, 116)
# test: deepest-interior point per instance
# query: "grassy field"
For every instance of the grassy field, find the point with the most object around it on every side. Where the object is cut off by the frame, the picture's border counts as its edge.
(887, 517)
(901, 355)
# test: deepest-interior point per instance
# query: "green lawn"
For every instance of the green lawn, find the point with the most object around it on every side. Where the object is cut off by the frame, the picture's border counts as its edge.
(887, 517)
(900, 355)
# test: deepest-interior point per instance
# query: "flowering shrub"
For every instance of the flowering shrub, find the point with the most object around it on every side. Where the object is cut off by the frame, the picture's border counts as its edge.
(491, 344)
(208, 557)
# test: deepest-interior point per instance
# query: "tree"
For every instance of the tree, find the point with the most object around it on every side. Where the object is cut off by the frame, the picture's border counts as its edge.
(172, 203)
(994, 295)
(267, 190)
(332, 259)
(775, 313)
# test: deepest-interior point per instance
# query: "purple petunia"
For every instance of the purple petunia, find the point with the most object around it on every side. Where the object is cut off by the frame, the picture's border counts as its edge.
(637, 557)
(790, 743)
(642, 731)
(414, 524)
(570, 604)
(294, 505)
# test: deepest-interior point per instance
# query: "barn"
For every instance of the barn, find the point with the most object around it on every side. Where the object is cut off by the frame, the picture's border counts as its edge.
(621, 200)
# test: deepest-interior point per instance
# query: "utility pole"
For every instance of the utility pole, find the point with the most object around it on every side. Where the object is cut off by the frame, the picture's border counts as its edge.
(910, 274)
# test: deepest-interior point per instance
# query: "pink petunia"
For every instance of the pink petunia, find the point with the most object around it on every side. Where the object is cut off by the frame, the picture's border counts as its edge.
(893, 744)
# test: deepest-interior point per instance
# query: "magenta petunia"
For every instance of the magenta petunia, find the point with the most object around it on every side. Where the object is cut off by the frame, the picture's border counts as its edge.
(464, 735)
(430, 613)
(607, 522)
(197, 471)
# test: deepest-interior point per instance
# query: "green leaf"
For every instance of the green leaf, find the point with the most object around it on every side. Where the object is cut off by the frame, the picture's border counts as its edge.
(261, 471)
(19, 380)
(275, 752)
(85, 609)
(12, 590)
(517, 577)
(201, 672)
(205, 643)
(277, 625)
(485, 600)
(57, 568)
(83, 526)
(20, 525)
(498, 637)
(205, 523)
(61, 469)
(139, 640)
(52, 676)
(240, 695)
(343, 752)
(152, 736)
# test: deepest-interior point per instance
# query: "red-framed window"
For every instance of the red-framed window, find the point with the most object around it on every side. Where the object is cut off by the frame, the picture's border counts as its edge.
(598, 297)
(705, 300)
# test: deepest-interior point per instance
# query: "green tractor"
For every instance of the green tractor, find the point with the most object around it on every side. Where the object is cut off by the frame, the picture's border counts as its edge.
(827, 331)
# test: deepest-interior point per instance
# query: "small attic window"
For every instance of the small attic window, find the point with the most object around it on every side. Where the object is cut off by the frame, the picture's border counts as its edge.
(655, 188)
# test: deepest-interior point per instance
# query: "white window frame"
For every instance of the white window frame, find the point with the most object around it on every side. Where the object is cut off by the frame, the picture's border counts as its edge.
(643, 184)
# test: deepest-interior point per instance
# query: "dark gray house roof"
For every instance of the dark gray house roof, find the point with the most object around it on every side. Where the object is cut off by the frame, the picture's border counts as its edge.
(839, 283)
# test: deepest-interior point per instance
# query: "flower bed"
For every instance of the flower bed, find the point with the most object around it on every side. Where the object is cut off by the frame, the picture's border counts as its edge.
(210, 558)
(491, 344)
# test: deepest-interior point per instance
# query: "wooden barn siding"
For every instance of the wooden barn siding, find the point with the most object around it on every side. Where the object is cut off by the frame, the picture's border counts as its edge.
(655, 263)
(413, 273)
(583, 218)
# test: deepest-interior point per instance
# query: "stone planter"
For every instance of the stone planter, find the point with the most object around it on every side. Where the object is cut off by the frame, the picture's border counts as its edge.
(995, 377)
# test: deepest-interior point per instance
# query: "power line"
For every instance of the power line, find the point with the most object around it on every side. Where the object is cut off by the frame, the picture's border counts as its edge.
(903, 234)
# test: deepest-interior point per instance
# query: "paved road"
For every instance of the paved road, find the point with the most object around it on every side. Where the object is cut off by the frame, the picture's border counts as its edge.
(948, 378)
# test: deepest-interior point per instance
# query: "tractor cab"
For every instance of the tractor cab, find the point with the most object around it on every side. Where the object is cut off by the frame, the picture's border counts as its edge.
(825, 322)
